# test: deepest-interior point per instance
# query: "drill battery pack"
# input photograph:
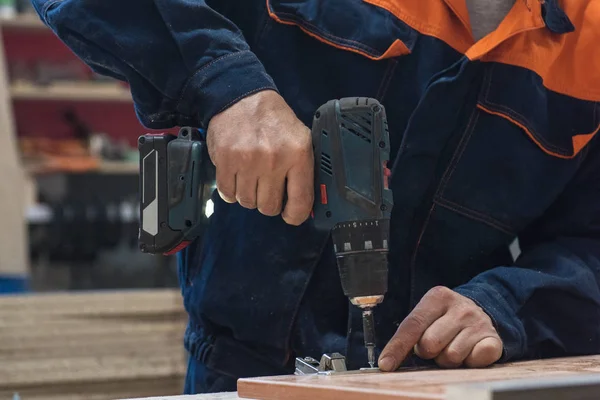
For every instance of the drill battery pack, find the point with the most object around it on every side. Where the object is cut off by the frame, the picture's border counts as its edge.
(176, 182)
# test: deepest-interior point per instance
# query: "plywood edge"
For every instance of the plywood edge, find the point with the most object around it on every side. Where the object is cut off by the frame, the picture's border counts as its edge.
(254, 388)
(409, 385)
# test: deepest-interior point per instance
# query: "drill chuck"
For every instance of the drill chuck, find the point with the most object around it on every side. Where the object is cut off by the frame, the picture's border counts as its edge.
(364, 277)
(361, 250)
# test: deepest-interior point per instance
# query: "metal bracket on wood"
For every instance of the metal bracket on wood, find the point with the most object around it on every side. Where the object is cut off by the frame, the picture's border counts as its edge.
(329, 364)
(334, 363)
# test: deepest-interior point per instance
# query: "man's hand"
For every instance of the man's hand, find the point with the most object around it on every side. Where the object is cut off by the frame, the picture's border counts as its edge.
(261, 150)
(447, 327)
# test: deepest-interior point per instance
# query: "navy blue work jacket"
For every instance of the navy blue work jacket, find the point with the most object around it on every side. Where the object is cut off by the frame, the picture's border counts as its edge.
(491, 141)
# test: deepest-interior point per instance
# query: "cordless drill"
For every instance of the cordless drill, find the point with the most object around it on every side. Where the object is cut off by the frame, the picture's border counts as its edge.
(352, 198)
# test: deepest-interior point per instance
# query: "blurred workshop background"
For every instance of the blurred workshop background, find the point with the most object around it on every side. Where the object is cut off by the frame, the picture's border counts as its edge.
(83, 313)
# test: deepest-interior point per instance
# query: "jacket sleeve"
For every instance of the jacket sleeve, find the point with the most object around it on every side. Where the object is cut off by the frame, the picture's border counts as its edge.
(548, 303)
(183, 60)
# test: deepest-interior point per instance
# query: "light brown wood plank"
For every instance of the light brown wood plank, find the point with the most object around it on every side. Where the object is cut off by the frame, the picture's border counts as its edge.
(99, 391)
(407, 385)
(93, 346)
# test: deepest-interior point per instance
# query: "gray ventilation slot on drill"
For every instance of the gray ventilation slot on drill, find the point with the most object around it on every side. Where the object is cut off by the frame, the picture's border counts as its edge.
(363, 120)
(353, 129)
(324, 132)
(326, 164)
(358, 125)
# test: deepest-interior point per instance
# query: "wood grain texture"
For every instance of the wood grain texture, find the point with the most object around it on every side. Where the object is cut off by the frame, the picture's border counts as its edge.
(405, 385)
(95, 345)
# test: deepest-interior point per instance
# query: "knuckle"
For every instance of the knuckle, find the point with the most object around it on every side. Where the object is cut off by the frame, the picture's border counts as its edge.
(467, 313)
(225, 190)
(430, 345)
(482, 325)
(301, 148)
(453, 356)
(486, 352)
(304, 147)
(246, 203)
(230, 151)
(425, 351)
(439, 293)
(258, 154)
(396, 345)
(271, 161)
(298, 217)
(492, 347)
(243, 156)
(270, 209)
(416, 321)
(226, 194)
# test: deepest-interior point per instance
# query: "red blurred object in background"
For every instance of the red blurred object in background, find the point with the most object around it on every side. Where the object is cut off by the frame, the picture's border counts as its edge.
(37, 53)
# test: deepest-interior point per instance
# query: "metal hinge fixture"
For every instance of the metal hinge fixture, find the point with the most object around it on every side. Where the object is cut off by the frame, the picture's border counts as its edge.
(329, 364)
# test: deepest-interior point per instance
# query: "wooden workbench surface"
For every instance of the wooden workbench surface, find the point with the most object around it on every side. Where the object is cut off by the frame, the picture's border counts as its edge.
(407, 385)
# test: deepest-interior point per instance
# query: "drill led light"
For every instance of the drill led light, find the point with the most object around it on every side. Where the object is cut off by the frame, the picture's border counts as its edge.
(209, 209)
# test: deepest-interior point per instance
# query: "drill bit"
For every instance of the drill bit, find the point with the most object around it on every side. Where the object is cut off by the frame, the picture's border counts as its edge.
(369, 335)
(371, 356)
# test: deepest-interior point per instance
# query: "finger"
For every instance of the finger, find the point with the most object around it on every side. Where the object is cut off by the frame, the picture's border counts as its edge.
(431, 307)
(245, 190)
(437, 337)
(226, 184)
(486, 352)
(456, 353)
(269, 195)
(300, 193)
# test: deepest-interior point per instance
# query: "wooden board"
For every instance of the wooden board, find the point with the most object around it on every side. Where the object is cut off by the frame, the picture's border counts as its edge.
(405, 385)
(101, 345)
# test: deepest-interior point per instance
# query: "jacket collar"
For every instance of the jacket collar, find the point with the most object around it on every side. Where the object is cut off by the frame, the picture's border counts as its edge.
(555, 19)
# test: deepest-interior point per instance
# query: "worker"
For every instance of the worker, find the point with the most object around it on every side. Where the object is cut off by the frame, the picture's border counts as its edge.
(493, 109)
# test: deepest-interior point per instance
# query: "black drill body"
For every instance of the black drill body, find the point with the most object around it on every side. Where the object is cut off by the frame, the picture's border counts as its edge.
(351, 150)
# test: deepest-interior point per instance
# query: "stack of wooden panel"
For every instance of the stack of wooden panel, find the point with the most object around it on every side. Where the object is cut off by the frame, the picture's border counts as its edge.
(93, 346)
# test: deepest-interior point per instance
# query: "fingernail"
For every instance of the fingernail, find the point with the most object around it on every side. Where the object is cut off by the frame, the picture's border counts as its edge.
(387, 363)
